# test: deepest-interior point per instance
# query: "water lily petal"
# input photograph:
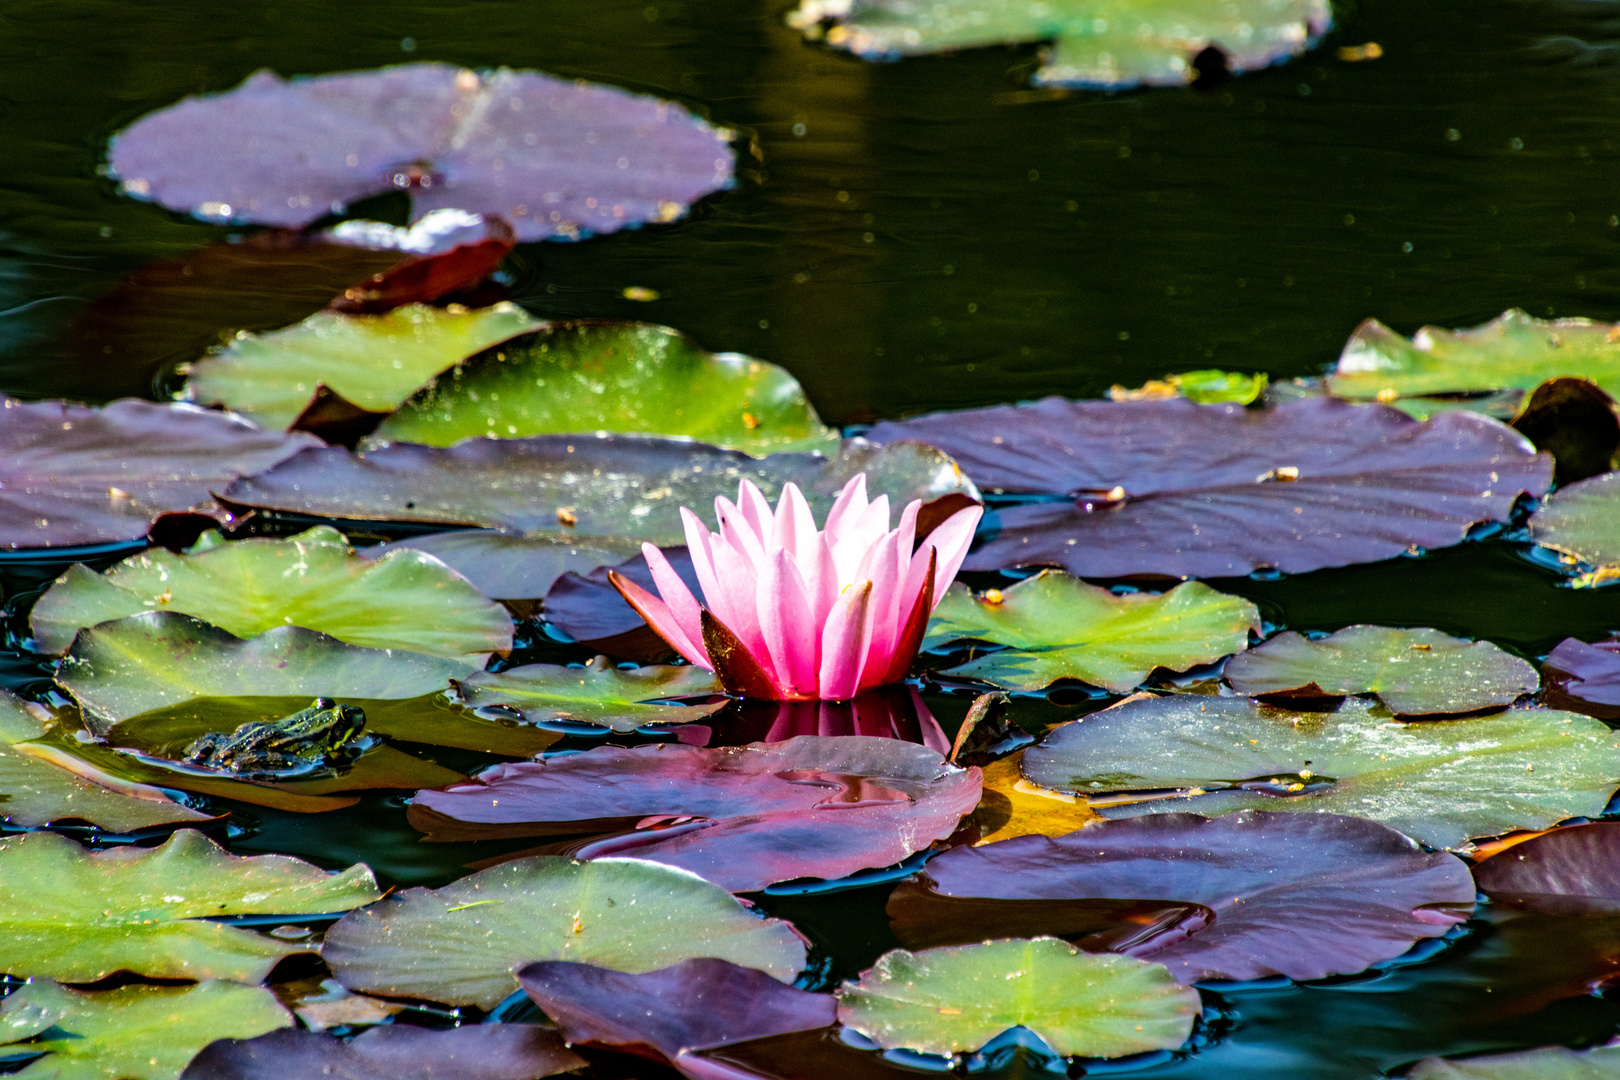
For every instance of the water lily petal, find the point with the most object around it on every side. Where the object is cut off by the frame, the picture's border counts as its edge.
(785, 623)
(756, 510)
(844, 642)
(952, 540)
(660, 618)
(851, 501)
(697, 545)
(795, 524)
(736, 605)
(688, 614)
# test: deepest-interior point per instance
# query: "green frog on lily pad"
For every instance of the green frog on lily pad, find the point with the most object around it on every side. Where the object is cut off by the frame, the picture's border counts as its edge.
(324, 736)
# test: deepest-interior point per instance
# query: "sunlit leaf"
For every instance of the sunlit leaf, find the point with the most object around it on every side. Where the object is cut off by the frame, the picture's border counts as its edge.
(1012, 806)
(1205, 387)
(1582, 522)
(598, 693)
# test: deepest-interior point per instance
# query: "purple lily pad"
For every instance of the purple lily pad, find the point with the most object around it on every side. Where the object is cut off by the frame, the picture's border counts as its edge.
(508, 567)
(554, 157)
(1175, 488)
(589, 609)
(1304, 896)
(1585, 678)
(673, 1013)
(1566, 871)
(473, 1052)
(71, 474)
(744, 817)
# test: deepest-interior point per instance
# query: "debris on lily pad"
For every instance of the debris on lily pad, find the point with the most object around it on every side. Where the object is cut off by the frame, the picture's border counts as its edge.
(1204, 387)
(556, 158)
(460, 944)
(1441, 782)
(613, 698)
(1544, 1063)
(1058, 627)
(509, 566)
(78, 915)
(1582, 522)
(374, 362)
(945, 1001)
(1585, 678)
(406, 600)
(392, 1052)
(1104, 44)
(607, 376)
(1413, 672)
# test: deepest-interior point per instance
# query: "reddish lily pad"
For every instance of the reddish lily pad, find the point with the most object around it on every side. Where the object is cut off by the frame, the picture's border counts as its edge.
(1565, 871)
(1299, 895)
(744, 817)
(1585, 678)
(555, 157)
(1170, 487)
(506, 566)
(588, 608)
(72, 474)
(472, 1052)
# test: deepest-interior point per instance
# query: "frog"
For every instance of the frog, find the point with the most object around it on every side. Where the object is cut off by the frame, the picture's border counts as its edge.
(321, 736)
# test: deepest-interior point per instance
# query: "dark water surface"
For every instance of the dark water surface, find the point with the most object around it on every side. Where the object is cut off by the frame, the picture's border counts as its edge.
(934, 234)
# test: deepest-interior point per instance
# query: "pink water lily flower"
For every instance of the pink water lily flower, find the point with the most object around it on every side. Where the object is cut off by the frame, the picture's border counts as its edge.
(790, 613)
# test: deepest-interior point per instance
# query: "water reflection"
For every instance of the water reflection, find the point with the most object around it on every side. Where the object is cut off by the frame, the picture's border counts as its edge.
(889, 712)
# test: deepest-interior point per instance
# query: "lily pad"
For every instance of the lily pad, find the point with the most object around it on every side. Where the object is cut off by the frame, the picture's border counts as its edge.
(606, 376)
(741, 816)
(1413, 672)
(1302, 896)
(36, 789)
(1012, 806)
(134, 1032)
(554, 157)
(505, 566)
(447, 252)
(580, 486)
(1204, 387)
(72, 474)
(1577, 423)
(1174, 488)
(460, 944)
(944, 1001)
(78, 915)
(1582, 522)
(586, 606)
(1545, 1063)
(1566, 871)
(1439, 781)
(688, 1007)
(1058, 627)
(406, 600)
(145, 662)
(1106, 44)
(392, 1052)
(1585, 678)
(372, 361)
(598, 694)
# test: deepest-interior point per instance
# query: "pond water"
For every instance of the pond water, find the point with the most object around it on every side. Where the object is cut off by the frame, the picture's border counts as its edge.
(935, 234)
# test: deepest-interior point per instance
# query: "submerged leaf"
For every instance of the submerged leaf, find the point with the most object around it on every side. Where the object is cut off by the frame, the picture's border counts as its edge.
(554, 157)
(1545, 1063)
(1585, 678)
(605, 376)
(460, 944)
(1583, 522)
(504, 566)
(598, 694)
(1413, 672)
(392, 1052)
(372, 361)
(1439, 781)
(1059, 627)
(79, 915)
(944, 1001)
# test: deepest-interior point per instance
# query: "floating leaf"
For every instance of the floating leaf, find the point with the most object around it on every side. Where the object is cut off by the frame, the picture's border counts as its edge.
(450, 251)
(1058, 627)
(1303, 896)
(372, 361)
(132, 1033)
(1566, 871)
(695, 1005)
(555, 157)
(598, 694)
(741, 816)
(1012, 806)
(460, 944)
(71, 474)
(581, 486)
(406, 600)
(1577, 423)
(1583, 522)
(1204, 387)
(605, 376)
(943, 1001)
(587, 607)
(1096, 43)
(392, 1052)
(1545, 1063)
(1439, 781)
(1585, 678)
(1169, 487)
(145, 662)
(1413, 672)
(504, 566)
(79, 915)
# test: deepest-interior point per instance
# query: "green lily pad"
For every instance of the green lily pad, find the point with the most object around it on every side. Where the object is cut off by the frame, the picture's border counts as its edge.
(145, 662)
(404, 600)
(1583, 522)
(78, 915)
(373, 361)
(1205, 387)
(1413, 672)
(1058, 627)
(944, 1001)
(1545, 1063)
(36, 789)
(131, 1033)
(1438, 781)
(1107, 44)
(605, 376)
(598, 693)
(460, 944)
(1511, 352)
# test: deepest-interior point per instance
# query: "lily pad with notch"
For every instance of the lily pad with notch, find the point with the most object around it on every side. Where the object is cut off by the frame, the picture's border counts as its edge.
(1439, 781)
(1582, 523)
(1584, 678)
(1413, 672)
(392, 1051)
(595, 695)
